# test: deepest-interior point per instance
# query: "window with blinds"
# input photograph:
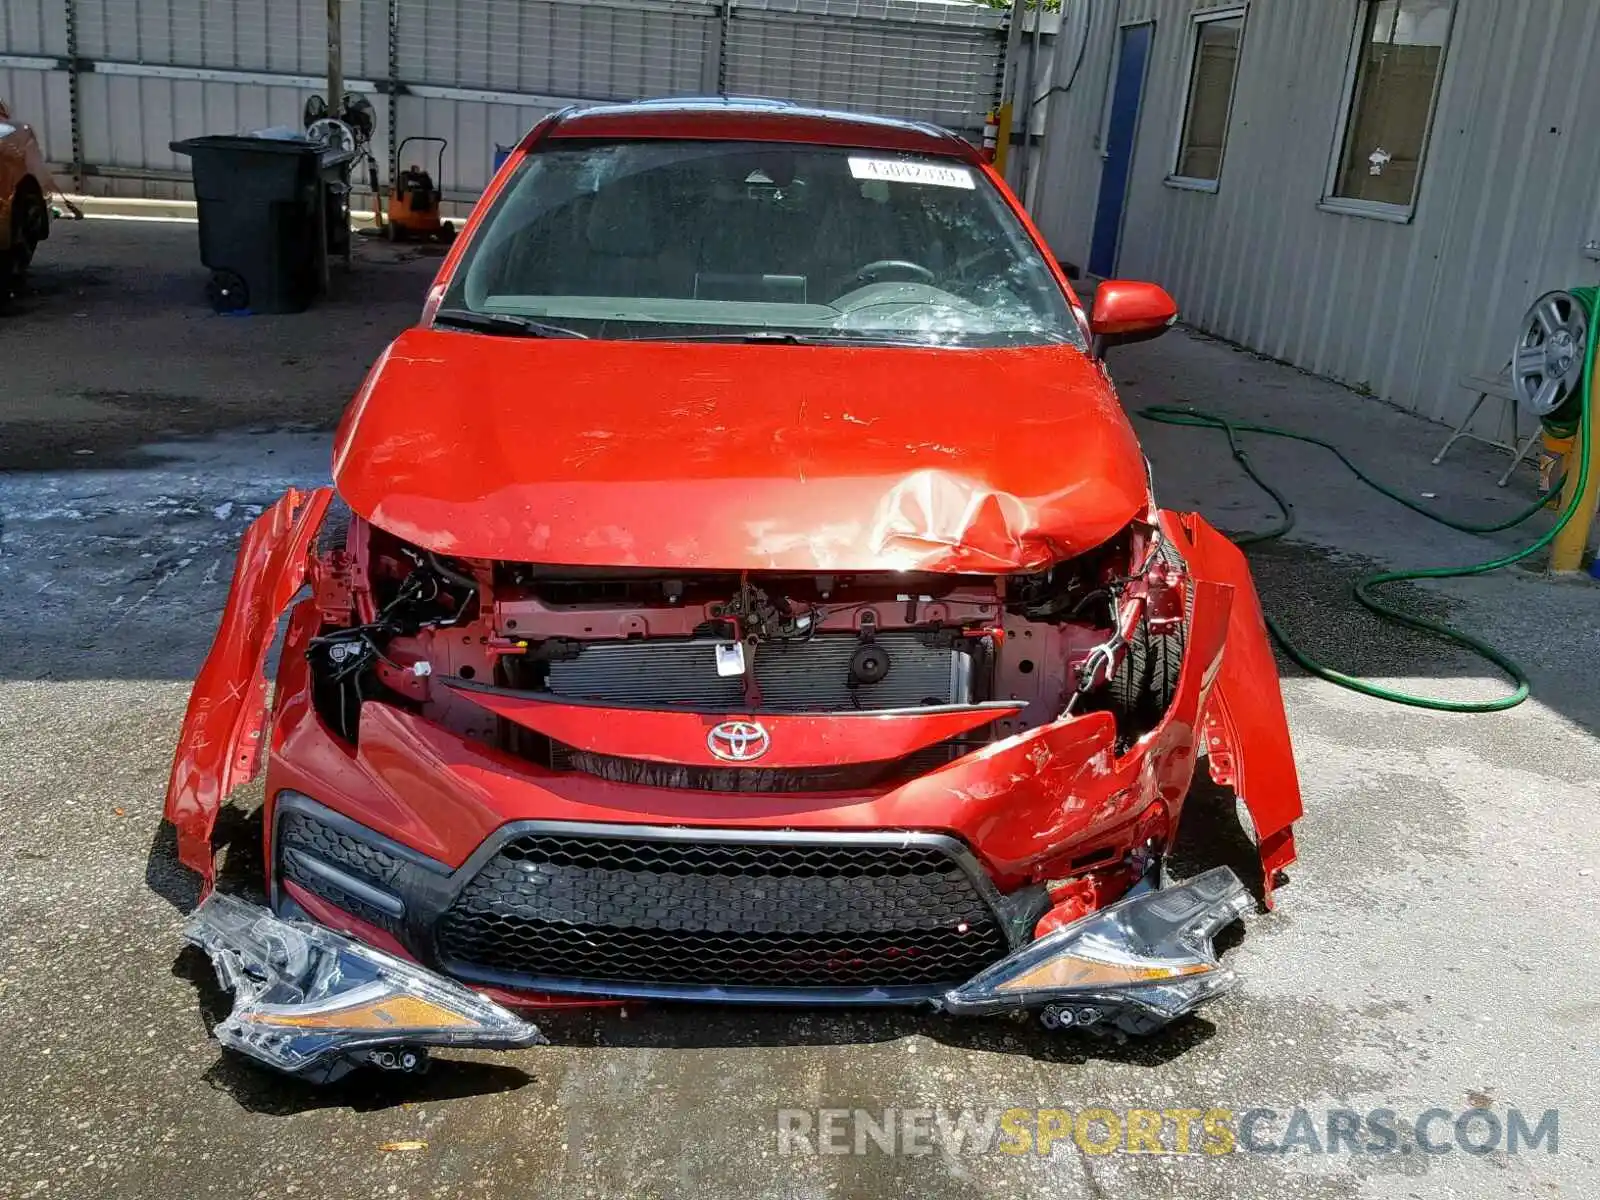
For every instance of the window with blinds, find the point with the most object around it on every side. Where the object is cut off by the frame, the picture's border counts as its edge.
(1397, 64)
(1212, 72)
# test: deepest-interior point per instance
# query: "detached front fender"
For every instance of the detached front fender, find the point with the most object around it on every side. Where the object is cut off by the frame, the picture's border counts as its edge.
(1243, 723)
(219, 747)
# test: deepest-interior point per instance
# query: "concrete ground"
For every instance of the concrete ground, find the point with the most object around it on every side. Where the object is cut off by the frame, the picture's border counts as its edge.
(1434, 948)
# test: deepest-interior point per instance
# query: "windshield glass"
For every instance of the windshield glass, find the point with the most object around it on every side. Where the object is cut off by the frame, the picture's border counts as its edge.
(681, 239)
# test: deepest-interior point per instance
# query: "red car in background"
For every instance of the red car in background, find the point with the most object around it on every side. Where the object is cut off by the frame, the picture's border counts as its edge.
(24, 212)
(743, 585)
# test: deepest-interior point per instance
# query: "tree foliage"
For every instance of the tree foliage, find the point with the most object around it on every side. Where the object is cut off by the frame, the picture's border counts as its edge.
(1049, 5)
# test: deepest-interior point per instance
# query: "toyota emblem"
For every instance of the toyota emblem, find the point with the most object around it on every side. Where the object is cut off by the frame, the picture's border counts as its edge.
(738, 741)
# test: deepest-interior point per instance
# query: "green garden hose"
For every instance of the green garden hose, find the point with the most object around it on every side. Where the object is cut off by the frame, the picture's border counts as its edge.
(1366, 584)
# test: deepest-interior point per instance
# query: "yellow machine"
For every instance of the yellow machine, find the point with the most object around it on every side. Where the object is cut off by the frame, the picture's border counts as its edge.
(414, 199)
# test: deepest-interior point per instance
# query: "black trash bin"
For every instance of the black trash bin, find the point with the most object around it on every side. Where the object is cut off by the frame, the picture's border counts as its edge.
(261, 203)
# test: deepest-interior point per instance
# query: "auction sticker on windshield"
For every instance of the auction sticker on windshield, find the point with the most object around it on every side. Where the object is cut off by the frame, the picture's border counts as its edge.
(905, 170)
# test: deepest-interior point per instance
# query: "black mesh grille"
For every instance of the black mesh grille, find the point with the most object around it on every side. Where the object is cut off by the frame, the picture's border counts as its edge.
(300, 833)
(716, 913)
(841, 777)
(337, 896)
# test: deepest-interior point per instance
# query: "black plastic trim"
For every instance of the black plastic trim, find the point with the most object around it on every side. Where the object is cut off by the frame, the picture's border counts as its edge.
(1016, 914)
(378, 898)
(288, 801)
(428, 888)
(929, 994)
(456, 683)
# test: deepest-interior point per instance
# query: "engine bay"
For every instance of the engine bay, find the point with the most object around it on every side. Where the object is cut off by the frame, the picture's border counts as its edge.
(399, 621)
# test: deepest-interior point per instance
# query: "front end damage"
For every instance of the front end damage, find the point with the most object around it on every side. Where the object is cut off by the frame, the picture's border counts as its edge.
(316, 1004)
(1135, 965)
(557, 785)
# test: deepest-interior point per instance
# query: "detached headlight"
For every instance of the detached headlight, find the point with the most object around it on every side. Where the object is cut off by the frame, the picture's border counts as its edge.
(1137, 964)
(314, 1003)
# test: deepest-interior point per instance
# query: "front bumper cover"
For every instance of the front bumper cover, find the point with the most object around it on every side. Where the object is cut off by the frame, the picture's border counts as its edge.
(1058, 790)
(314, 1003)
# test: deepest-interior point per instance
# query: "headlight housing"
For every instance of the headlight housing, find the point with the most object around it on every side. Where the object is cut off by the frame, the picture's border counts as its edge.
(314, 1003)
(1138, 963)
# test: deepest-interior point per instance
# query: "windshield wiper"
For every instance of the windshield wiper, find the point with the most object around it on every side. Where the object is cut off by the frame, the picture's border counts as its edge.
(748, 335)
(786, 338)
(504, 324)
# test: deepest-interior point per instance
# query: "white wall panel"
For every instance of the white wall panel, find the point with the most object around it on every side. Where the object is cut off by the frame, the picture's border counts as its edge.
(557, 47)
(478, 72)
(289, 36)
(473, 129)
(43, 100)
(129, 122)
(1402, 309)
(33, 27)
(931, 62)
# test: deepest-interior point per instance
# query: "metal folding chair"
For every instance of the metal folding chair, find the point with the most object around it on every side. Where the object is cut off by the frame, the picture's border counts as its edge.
(1498, 386)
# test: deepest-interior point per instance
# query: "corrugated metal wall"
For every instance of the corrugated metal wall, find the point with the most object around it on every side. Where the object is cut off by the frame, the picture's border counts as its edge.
(1507, 198)
(478, 72)
(33, 40)
(523, 59)
(934, 62)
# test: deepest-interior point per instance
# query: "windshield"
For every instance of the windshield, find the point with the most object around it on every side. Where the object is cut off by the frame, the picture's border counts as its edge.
(688, 239)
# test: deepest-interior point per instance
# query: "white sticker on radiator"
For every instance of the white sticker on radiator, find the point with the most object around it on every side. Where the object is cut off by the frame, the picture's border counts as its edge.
(910, 170)
(730, 658)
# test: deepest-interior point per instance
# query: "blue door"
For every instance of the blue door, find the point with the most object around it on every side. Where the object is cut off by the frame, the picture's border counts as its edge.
(1127, 93)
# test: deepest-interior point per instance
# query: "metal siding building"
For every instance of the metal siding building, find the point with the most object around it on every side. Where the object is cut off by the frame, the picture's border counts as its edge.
(138, 74)
(1507, 201)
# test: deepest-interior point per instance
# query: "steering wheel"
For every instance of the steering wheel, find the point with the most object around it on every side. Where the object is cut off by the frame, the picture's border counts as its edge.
(870, 272)
(968, 268)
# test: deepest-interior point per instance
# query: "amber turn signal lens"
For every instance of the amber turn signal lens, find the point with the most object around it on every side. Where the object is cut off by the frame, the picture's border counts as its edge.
(393, 1013)
(1071, 971)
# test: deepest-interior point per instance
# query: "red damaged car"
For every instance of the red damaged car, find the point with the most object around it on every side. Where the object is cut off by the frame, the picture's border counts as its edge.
(743, 585)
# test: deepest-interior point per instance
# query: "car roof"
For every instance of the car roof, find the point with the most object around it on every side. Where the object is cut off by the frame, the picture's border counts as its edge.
(741, 118)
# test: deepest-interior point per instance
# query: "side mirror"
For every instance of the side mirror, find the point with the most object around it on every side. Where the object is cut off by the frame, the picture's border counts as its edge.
(1127, 311)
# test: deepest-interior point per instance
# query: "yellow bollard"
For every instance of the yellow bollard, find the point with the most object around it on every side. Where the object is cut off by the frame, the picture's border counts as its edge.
(1554, 454)
(1002, 148)
(1566, 552)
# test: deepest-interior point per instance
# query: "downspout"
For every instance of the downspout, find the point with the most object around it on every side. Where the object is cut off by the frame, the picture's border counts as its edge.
(335, 58)
(1009, 91)
(1024, 120)
(1085, 16)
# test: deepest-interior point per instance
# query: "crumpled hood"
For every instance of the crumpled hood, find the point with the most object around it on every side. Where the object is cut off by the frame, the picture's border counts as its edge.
(742, 456)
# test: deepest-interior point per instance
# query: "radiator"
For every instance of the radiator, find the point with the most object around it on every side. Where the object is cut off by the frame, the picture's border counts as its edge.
(809, 676)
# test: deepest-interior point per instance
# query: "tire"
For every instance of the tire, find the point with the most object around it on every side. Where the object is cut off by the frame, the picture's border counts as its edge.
(1143, 688)
(29, 226)
(1145, 683)
(227, 292)
(21, 240)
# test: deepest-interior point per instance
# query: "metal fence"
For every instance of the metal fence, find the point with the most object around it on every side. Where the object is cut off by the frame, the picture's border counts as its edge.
(109, 83)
